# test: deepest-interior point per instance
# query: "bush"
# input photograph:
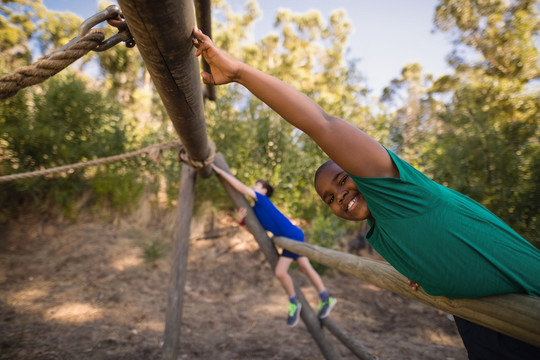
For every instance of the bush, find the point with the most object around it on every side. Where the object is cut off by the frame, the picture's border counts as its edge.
(62, 124)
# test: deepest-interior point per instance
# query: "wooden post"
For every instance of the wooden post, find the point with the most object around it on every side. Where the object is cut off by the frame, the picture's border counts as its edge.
(265, 244)
(515, 315)
(163, 32)
(203, 10)
(175, 302)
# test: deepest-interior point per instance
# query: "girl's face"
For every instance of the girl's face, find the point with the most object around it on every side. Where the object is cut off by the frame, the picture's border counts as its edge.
(338, 190)
(258, 187)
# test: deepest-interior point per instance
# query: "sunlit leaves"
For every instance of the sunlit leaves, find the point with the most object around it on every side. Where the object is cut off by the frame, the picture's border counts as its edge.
(501, 31)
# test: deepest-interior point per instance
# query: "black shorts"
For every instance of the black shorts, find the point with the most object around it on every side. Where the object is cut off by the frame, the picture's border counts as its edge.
(483, 343)
(289, 254)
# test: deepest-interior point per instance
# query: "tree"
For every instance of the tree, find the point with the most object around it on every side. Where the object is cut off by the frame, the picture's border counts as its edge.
(409, 130)
(501, 31)
(23, 23)
(17, 25)
(487, 142)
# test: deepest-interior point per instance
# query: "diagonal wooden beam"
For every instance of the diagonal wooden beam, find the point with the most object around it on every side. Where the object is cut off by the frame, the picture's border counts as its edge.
(348, 340)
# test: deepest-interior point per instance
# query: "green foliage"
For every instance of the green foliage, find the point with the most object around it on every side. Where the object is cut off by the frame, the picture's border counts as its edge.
(124, 71)
(117, 186)
(17, 25)
(501, 31)
(27, 24)
(56, 30)
(408, 125)
(65, 124)
(153, 248)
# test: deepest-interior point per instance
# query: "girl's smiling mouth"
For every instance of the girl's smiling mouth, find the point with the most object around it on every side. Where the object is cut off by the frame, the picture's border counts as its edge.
(352, 204)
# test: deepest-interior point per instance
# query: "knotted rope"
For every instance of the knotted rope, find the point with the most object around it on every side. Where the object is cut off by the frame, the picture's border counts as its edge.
(197, 164)
(153, 152)
(49, 65)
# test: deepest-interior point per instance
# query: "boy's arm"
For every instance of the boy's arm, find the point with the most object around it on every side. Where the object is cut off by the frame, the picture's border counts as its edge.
(348, 146)
(235, 183)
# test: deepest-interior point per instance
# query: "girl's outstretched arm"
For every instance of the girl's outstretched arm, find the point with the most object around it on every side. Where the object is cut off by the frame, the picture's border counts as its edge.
(352, 149)
(235, 183)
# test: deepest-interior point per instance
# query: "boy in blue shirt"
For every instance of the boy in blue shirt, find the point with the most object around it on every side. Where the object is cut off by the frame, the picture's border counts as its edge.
(278, 224)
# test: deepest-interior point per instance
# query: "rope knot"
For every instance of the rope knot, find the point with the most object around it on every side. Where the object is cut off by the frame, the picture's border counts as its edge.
(197, 164)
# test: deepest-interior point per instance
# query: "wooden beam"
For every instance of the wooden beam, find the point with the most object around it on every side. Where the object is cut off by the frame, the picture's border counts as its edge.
(309, 318)
(346, 339)
(515, 315)
(177, 281)
(203, 10)
(163, 33)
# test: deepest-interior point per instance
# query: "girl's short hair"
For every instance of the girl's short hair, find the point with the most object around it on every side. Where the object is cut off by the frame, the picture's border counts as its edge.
(321, 169)
(266, 185)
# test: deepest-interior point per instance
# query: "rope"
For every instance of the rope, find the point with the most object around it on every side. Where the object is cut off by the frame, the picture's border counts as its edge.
(153, 151)
(197, 164)
(49, 65)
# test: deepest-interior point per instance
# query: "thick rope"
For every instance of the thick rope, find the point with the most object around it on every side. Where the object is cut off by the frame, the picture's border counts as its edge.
(197, 164)
(49, 65)
(153, 151)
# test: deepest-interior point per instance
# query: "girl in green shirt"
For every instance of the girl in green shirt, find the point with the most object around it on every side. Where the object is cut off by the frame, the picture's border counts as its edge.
(440, 239)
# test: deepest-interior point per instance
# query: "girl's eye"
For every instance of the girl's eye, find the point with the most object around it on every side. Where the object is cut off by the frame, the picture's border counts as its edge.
(331, 199)
(344, 179)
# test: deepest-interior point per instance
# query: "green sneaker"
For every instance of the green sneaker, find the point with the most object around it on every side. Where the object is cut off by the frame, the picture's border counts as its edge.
(326, 307)
(294, 314)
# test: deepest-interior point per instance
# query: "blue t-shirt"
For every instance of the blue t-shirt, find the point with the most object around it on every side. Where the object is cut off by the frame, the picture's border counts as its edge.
(274, 221)
(445, 241)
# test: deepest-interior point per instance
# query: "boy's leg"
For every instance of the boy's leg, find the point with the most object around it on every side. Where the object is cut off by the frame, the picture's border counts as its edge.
(327, 303)
(282, 274)
(309, 271)
(483, 343)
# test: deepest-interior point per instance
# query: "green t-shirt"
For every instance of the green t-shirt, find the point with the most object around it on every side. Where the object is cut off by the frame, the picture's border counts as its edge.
(446, 242)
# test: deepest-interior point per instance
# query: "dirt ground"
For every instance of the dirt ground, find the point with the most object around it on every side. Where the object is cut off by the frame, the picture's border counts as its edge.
(84, 291)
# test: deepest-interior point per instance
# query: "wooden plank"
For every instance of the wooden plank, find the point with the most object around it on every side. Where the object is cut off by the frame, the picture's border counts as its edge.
(515, 315)
(177, 281)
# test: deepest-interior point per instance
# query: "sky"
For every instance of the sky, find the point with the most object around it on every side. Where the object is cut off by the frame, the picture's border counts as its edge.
(387, 34)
